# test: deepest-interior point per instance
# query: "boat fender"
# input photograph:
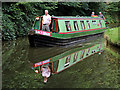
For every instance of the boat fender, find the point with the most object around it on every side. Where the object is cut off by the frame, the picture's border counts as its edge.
(37, 18)
(99, 53)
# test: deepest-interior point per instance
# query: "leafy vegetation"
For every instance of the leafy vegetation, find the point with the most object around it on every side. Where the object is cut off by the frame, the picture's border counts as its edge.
(18, 17)
(113, 35)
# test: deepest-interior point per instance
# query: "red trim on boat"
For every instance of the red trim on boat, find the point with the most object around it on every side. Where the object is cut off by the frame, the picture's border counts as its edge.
(56, 26)
(52, 68)
(41, 23)
(80, 31)
(55, 66)
(53, 25)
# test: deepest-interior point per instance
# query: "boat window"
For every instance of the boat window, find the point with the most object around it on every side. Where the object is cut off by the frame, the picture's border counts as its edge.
(67, 24)
(93, 51)
(94, 22)
(82, 54)
(88, 50)
(82, 25)
(76, 25)
(100, 23)
(75, 57)
(88, 24)
(67, 62)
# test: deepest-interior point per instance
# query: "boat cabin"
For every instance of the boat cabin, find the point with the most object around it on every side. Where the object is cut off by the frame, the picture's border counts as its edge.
(63, 24)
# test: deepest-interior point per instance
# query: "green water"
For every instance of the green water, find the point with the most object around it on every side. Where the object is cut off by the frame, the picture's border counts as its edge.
(96, 71)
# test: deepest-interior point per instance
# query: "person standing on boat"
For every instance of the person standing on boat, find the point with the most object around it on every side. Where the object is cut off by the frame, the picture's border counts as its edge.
(92, 14)
(46, 21)
(100, 15)
(45, 72)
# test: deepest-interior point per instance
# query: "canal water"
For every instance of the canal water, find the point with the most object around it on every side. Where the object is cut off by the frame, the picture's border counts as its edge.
(96, 71)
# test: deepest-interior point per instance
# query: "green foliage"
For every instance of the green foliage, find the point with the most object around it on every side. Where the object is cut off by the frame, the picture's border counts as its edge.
(113, 35)
(8, 27)
(18, 17)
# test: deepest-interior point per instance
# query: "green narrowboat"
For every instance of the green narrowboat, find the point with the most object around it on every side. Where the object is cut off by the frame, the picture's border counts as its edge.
(65, 30)
(64, 60)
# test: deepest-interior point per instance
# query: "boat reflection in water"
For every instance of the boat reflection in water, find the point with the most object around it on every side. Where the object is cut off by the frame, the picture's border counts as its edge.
(69, 57)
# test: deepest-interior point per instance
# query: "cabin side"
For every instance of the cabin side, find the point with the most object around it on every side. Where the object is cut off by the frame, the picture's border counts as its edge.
(80, 24)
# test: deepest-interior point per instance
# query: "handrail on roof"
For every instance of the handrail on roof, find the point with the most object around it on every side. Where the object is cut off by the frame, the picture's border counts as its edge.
(77, 16)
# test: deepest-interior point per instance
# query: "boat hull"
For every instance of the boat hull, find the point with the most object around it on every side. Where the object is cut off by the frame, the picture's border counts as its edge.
(37, 40)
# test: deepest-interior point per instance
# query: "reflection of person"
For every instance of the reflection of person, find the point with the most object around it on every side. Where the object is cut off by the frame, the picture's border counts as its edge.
(45, 72)
(100, 15)
(46, 21)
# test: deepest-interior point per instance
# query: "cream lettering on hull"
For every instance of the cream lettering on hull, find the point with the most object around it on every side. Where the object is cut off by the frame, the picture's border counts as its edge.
(41, 63)
(43, 32)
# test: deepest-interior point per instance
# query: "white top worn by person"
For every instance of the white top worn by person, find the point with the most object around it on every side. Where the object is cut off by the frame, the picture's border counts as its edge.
(46, 21)
(45, 72)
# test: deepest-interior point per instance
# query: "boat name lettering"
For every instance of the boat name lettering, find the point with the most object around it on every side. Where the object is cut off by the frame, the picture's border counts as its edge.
(41, 63)
(42, 32)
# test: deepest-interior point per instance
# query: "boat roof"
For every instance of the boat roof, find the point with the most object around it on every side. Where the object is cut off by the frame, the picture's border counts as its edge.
(75, 17)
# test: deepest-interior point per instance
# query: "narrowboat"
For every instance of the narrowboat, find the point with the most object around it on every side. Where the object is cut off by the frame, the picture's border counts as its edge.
(70, 57)
(65, 30)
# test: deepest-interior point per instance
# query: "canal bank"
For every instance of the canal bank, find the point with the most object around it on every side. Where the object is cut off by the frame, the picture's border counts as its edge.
(113, 36)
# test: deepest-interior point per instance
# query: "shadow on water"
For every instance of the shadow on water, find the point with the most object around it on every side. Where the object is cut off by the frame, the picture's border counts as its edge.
(96, 71)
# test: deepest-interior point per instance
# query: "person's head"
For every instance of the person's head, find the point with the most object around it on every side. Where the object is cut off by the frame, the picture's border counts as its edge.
(93, 13)
(46, 12)
(100, 13)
